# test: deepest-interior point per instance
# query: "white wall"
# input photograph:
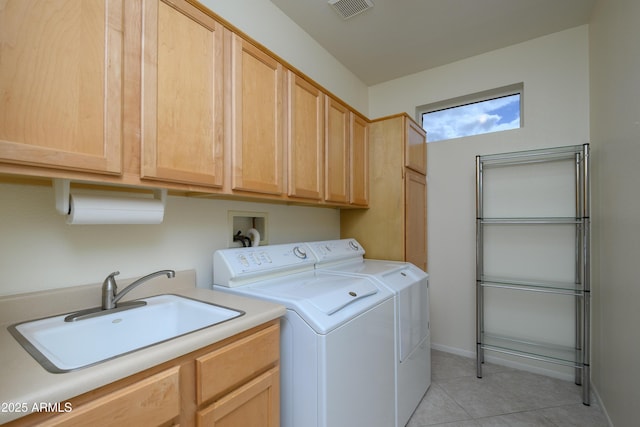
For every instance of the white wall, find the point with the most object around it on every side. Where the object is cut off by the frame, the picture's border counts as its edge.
(264, 22)
(615, 130)
(554, 70)
(38, 250)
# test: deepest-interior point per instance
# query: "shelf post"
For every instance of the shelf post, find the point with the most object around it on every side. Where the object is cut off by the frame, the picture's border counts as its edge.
(479, 273)
(579, 330)
(586, 278)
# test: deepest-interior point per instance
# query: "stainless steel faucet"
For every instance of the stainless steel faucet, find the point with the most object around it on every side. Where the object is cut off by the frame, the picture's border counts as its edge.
(110, 296)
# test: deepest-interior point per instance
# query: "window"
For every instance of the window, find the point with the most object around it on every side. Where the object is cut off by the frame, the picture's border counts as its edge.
(490, 111)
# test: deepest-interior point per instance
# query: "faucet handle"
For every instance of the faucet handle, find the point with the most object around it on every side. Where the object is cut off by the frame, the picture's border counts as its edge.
(112, 275)
(110, 282)
(109, 288)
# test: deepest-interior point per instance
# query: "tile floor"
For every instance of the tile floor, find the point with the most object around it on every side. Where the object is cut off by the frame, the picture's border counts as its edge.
(503, 397)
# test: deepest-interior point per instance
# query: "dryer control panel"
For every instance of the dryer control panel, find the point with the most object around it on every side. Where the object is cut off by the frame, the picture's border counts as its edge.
(330, 251)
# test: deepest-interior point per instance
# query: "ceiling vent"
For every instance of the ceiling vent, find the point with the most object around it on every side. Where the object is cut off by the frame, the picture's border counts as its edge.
(350, 8)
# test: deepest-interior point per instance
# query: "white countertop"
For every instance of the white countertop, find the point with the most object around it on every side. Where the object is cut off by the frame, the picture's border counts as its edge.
(24, 382)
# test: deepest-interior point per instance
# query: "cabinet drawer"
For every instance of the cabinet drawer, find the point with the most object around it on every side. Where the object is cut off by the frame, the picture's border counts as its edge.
(152, 401)
(255, 403)
(236, 363)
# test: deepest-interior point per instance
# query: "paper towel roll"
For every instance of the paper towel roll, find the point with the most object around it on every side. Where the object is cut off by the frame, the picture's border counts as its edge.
(91, 209)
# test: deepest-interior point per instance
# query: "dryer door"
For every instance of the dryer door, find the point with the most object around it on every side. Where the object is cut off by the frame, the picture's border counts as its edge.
(413, 309)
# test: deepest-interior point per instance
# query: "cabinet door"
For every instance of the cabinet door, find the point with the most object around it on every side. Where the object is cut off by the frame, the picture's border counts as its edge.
(336, 151)
(61, 84)
(359, 161)
(305, 139)
(416, 219)
(256, 403)
(227, 368)
(182, 139)
(257, 114)
(153, 401)
(416, 147)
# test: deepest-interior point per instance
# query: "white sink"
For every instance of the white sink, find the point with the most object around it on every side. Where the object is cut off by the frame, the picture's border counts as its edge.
(62, 346)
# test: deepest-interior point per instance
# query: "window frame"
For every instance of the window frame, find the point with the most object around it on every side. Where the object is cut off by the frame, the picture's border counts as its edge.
(461, 101)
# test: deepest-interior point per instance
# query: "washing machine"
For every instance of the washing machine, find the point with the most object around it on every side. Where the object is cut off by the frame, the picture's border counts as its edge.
(410, 287)
(337, 336)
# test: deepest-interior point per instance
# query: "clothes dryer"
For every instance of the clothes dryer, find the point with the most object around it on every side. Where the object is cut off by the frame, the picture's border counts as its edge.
(410, 287)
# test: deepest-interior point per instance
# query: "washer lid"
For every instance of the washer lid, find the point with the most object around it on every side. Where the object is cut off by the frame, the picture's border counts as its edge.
(324, 301)
(396, 275)
(343, 295)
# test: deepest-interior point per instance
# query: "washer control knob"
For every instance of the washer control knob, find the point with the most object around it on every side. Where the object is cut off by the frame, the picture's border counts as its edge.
(353, 245)
(300, 252)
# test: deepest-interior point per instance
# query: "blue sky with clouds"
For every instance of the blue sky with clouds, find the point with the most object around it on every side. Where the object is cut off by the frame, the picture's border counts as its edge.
(482, 117)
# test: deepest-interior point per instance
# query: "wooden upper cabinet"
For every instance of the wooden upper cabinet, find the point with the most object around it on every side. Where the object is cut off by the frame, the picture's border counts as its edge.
(397, 208)
(337, 135)
(182, 103)
(359, 161)
(165, 93)
(61, 84)
(257, 113)
(305, 139)
(416, 147)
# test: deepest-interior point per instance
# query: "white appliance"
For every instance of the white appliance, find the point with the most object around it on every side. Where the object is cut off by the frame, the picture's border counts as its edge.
(337, 339)
(410, 287)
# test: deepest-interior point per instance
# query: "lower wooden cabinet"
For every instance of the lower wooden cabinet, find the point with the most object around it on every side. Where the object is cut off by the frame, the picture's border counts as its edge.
(253, 404)
(153, 401)
(224, 377)
(235, 382)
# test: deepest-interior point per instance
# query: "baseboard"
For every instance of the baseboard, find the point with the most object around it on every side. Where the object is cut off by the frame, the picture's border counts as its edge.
(595, 394)
(454, 350)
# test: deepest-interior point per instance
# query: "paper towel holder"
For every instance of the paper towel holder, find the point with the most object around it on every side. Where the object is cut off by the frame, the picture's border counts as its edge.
(62, 191)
